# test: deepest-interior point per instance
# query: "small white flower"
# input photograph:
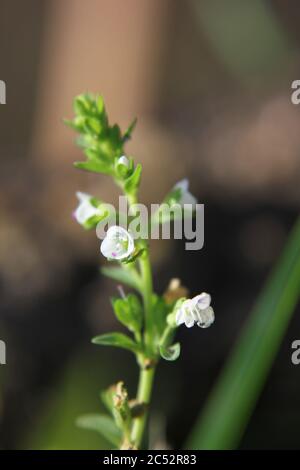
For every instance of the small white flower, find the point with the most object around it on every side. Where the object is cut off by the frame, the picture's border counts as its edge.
(85, 209)
(123, 161)
(118, 244)
(196, 310)
(186, 197)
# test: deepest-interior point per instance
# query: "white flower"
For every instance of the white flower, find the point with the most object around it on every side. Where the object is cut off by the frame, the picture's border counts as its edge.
(118, 244)
(186, 197)
(85, 209)
(123, 161)
(196, 310)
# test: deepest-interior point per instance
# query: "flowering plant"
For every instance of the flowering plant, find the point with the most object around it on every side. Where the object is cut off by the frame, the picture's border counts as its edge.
(151, 319)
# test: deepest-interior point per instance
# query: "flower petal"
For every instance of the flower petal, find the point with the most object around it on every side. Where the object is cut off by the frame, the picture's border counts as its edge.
(118, 244)
(179, 317)
(188, 198)
(207, 317)
(81, 196)
(189, 320)
(85, 210)
(182, 184)
(201, 301)
(107, 247)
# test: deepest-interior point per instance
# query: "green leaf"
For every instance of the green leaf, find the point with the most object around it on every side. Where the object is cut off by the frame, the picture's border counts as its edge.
(70, 123)
(102, 424)
(126, 276)
(94, 166)
(92, 154)
(129, 312)
(99, 153)
(92, 222)
(128, 132)
(100, 105)
(81, 105)
(159, 312)
(107, 397)
(77, 123)
(123, 170)
(93, 125)
(233, 399)
(170, 353)
(118, 340)
(101, 143)
(87, 141)
(132, 183)
(115, 135)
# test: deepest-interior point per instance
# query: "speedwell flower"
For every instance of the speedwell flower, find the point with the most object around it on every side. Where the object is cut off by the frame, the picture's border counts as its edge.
(185, 196)
(85, 209)
(118, 244)
(196, 310)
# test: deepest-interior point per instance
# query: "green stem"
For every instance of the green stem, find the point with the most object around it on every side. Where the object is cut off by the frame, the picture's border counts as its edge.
(147, 284)
(146, 374)
(143, 396)
(131, 198)
(168, 335)
(147, 290)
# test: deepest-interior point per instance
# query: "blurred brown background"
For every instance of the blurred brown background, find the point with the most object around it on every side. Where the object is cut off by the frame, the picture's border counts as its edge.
(210, 83)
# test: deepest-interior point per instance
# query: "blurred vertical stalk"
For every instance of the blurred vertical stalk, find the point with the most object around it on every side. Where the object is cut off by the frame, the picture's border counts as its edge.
(233, 399)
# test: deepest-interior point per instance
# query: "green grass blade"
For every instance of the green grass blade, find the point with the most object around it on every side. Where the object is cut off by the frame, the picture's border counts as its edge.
(233, 399)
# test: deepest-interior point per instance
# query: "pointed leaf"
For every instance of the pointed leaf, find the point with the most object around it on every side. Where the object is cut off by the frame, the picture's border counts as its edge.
(132, 183)
(159, 312)
(128, 132)
(100, 104)
(118, 340)
(93, 125)
(94, 166)
(115, 135)
(81, 105)
(125, 276)
(129, 312)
